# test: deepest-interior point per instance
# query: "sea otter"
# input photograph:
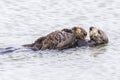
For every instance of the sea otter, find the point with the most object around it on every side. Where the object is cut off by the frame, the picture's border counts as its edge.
(97, 37)
(66, 38)
(62, 39)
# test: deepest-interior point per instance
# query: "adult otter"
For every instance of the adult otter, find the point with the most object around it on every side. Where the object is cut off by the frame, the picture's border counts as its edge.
(97, 37)
(63, 39)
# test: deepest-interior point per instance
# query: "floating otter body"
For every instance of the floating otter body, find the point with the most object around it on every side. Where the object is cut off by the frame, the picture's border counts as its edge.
(68, 38)
(63, 39)
(97, 37)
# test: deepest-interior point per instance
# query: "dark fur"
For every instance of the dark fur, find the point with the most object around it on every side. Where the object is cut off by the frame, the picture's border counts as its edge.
(63, 39)
(68, 38)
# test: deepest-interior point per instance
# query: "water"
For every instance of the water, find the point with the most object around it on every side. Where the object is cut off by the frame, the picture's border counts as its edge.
(23, 21)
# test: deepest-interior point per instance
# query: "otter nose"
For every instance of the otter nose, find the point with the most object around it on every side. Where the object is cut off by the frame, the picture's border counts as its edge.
(85, 34)
(91, 28)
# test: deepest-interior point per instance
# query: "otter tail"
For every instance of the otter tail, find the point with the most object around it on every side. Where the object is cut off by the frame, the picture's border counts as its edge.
(28, 45)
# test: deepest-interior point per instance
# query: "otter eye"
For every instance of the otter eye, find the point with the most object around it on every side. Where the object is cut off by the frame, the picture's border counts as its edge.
(75, 28)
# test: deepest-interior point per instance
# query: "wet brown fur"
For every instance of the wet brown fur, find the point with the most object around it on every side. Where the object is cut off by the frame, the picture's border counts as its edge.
(59, 39)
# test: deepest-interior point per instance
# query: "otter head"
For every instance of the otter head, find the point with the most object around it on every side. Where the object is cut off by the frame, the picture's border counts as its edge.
(80, 33)
(98, 36)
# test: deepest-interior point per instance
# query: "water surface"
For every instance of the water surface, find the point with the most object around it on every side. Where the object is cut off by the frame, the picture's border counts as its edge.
(23, 21)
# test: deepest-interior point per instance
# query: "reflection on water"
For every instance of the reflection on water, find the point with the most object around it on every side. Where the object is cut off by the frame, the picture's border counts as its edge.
(22, 22)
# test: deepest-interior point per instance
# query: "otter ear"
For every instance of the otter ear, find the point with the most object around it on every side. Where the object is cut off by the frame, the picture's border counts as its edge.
(74, 28)
(91, 28)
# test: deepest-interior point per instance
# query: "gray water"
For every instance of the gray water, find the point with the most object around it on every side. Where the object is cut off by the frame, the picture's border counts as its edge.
(23, 21)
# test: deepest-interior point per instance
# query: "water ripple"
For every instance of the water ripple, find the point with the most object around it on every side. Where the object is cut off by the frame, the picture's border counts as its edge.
(23, 21)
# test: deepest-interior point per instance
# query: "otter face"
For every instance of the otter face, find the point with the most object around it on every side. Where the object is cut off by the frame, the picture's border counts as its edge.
(80, 33)
(98, 36)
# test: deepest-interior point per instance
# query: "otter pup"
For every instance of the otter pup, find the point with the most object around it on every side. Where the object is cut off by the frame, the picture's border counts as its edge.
(97, 37)
(63, 39)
